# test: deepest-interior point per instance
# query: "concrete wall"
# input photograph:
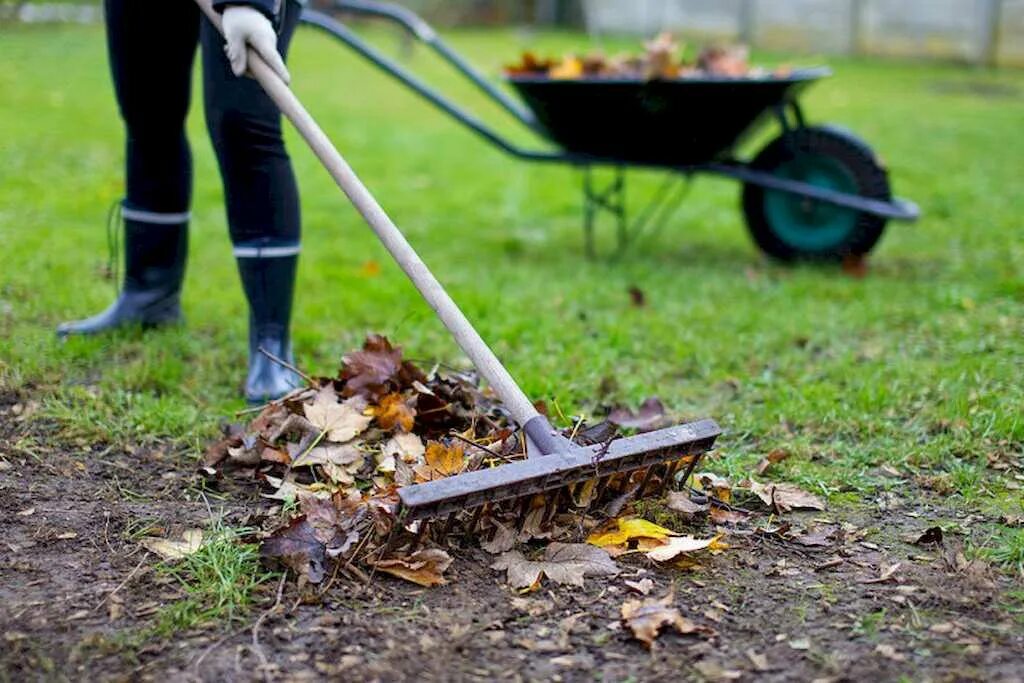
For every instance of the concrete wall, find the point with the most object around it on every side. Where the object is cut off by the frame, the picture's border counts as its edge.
(977, 31)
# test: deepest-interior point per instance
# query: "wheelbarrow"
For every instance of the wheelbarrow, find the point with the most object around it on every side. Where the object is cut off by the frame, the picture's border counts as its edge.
(812, 193)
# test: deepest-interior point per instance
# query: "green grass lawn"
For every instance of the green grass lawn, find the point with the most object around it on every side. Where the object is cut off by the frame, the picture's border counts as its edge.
(918, 366)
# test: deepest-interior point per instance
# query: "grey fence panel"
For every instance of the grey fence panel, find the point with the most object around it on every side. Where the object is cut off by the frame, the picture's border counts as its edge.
(805, 25)
(1009, 49)
(978, 31)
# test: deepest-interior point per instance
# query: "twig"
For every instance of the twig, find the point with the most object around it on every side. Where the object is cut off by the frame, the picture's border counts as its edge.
(123, 583)
(285, 364)
(480, 446)
(259, 621)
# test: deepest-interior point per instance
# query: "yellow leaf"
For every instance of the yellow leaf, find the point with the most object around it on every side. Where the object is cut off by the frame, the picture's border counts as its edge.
(627, 530)
(393, 411)
(569, 68)
(441, 461)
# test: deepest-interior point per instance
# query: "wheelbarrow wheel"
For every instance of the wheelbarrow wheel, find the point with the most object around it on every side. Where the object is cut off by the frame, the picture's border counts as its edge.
(790, 227)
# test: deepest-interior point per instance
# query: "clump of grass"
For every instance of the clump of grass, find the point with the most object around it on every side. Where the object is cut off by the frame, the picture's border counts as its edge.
(1009, 551)
(220, 580)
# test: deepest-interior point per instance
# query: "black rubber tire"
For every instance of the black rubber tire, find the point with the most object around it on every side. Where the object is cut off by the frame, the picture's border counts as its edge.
(856, 157)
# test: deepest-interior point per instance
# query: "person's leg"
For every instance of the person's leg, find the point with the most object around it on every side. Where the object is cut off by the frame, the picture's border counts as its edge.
(151, 47)
(262, 204)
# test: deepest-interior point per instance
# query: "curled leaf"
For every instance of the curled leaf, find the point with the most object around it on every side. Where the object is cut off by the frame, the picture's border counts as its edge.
(647, 618)
(425, 567)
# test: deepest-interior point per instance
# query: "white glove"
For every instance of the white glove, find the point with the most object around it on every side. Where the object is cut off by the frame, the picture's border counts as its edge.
(247, 27)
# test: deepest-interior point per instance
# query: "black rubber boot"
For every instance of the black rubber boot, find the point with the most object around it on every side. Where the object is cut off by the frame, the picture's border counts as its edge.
(155, 251)
(268, 277)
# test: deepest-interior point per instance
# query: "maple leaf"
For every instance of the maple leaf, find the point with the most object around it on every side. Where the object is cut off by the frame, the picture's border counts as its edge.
(784, 497)
(424, 567)
(440, 461)
(298, 547)
(566, 563)
(339, 422)
(365, 372)
(393, 411)
(343, 455)
(191, 541)
(647, 618)
(406, 447)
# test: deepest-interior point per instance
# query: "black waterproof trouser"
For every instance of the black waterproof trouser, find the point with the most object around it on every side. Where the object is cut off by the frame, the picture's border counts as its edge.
(152, 46)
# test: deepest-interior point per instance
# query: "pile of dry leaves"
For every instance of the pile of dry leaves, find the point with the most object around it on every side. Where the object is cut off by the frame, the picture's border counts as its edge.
(331, 457)
(663, 58)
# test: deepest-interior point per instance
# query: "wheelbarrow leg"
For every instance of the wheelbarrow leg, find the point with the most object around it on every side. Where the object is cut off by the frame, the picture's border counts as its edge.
(611, 199)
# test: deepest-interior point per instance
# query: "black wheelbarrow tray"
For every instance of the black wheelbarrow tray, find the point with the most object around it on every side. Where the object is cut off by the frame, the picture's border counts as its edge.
(814, 192)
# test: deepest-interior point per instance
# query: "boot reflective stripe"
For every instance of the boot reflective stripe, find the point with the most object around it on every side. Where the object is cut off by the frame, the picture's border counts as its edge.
(155, 217)
(267, 252)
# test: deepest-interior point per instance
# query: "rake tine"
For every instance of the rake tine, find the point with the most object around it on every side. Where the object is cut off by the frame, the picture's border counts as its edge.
(448, 524)
(475, 519)
(552, 510)
(601, 486)
(670, 472)
(524, 509)
(643, 482)
(692, 465)
(414, 546)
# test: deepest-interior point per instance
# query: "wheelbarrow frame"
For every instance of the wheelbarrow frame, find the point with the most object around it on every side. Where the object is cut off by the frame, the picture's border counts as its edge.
(611, 197)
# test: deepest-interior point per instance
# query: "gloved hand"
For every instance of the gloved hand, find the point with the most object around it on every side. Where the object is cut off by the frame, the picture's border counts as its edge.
(248, 27)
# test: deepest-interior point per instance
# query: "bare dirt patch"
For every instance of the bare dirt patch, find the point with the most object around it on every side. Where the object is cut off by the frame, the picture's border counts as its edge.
(77, 589)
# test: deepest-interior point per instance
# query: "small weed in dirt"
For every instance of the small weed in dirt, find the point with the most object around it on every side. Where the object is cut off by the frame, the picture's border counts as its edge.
(219, 580)
(1009, 551)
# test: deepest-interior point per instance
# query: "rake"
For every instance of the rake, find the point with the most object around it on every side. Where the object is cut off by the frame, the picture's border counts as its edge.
(554, 464)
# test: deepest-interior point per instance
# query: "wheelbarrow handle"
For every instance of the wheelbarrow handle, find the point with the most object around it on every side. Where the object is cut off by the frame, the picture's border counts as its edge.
(387, 232)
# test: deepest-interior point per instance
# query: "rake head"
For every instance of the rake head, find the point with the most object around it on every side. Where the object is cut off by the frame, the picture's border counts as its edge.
(565, 466)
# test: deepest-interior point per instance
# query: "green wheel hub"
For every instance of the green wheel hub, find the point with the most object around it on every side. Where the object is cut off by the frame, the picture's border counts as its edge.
(806, 224)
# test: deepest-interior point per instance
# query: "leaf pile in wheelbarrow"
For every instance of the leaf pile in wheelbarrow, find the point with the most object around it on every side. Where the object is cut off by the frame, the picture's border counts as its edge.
(664, 58)
(336, 452)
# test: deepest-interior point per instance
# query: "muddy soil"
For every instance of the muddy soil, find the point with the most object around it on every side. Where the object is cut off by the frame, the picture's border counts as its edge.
(76, 590)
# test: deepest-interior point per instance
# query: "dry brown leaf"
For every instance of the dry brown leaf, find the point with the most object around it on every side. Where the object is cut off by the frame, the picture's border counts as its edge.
(679, 501)
(424, 567)
(298, 547)
(394, 412)
(785, 497)
(650, 415)
(440, 461)
(342, 455)
(720, 515)
(502, 540)
(339, 422)
(777, 455)
(646, 619)
(366, 371)
(717, 486)
(566, 563)
(191, 541)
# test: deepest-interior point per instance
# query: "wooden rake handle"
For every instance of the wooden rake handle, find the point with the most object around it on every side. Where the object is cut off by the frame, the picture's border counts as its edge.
(388, 233)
